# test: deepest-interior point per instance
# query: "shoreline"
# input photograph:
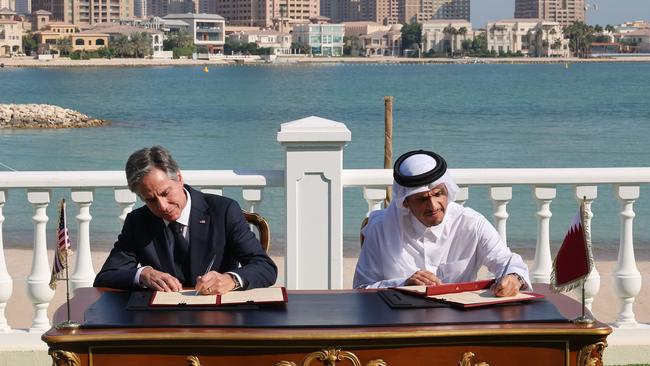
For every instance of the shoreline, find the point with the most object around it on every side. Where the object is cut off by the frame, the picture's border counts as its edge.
(18, 62)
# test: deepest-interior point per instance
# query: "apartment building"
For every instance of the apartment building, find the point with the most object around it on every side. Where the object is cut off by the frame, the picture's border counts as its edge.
(8, 4)
(85, 12)
(564, 12)
(322, 39)
(206, 29)
(395, 11)
(445, 35)
(160, 8)
(11, 35)
(532, 37)
(263, 13)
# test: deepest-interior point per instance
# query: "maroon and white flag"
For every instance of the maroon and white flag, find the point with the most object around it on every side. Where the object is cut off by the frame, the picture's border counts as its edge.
(574, 260)
(62, 251)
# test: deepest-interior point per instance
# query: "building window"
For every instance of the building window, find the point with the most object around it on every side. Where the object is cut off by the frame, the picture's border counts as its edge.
(79, 42)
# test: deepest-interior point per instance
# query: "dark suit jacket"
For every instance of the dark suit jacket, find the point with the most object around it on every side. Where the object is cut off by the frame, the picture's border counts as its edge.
(216, 226)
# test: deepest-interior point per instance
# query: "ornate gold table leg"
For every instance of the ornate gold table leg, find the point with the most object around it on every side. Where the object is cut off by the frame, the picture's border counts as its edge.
(592, 355)
(64, 358)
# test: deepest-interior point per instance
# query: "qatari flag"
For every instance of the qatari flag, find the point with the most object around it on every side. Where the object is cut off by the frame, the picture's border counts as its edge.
(574, 260)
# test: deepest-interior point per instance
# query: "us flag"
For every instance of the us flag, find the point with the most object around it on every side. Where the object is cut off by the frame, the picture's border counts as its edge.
(62, 251)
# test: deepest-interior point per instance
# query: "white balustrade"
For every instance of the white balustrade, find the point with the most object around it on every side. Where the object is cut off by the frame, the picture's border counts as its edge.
(627, 279)
(500, 197)
(126, 200)
(542, 264)
(374, 197)
(253, 197)
(6, 284)
(463, 195)
(38, 281)
(314, 180)
(84, 273)
(592, 284)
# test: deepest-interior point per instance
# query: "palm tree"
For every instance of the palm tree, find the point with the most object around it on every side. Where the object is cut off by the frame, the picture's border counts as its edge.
(122, 46)
(64, 46)
(141, 44)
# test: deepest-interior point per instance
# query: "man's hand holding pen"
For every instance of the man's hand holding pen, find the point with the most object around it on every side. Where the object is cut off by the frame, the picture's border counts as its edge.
(508, 285)
(214, 283)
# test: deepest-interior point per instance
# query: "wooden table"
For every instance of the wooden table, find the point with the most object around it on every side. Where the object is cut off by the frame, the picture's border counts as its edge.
(561, 343)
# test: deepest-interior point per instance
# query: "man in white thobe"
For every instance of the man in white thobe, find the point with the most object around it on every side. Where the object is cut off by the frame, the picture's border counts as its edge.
(424, 238)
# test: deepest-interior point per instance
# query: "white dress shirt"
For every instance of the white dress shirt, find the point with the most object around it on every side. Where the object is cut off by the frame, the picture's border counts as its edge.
(454, 250)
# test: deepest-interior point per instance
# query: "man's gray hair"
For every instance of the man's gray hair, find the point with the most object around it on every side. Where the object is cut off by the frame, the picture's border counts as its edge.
(141, 163)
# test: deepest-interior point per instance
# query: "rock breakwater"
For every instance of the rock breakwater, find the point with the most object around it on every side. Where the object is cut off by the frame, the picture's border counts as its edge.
(44, 116)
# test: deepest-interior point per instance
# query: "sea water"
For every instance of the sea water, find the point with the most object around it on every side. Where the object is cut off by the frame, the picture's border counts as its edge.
(476, 116)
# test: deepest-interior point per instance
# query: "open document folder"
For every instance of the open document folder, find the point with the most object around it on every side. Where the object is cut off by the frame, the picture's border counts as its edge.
(190, 298)
(467, 294)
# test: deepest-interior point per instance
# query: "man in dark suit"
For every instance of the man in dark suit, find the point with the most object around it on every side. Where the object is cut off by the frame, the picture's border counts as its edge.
(170, 242)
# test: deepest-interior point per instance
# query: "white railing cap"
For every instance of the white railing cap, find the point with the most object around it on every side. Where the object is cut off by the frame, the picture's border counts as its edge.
(314, 129)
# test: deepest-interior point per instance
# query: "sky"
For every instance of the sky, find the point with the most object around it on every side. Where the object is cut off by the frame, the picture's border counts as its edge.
(609, 11)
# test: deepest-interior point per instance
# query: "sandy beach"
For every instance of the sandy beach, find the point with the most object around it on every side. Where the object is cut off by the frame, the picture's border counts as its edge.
(293, 60)
(19, 311)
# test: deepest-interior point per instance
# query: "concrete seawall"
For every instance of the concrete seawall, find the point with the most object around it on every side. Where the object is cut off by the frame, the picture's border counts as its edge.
(44, 116)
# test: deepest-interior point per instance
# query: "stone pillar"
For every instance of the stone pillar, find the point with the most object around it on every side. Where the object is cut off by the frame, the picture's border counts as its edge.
(314, 202)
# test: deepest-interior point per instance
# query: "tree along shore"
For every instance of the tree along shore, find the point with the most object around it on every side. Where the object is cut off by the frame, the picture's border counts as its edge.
(44, 116)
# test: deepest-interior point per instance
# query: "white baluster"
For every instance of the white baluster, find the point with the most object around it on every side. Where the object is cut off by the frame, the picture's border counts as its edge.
(6, 284)
(462, 196)
(126, 200)
(252, 196)
(592, 285)
(84, 273)
(542, 264)
(38, 281)
(501, 196)
(374, 198)
(627, 279)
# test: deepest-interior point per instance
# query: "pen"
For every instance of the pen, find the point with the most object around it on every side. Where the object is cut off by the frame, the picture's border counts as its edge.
(207, 270)
(503, 273)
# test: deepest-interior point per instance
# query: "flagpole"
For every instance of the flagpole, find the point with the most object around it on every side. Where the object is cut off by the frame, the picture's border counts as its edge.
(583, 319)
(68, 324)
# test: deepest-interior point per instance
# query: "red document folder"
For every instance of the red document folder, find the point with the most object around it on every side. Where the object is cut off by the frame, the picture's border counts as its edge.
(467, 294)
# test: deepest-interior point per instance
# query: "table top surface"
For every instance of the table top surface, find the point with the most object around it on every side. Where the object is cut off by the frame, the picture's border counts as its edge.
(208, 325)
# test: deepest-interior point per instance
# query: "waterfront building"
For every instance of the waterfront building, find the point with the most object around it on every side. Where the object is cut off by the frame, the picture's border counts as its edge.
(207, 30)
(636, 41)
(322, 39)
(88, 41)
(280, 43)
(356, 29)
(533, 37)
(445, 36)
(84, 12)
(564, 12)
(11, 39)
(50, 33)
(114, 30)
(382, 42)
